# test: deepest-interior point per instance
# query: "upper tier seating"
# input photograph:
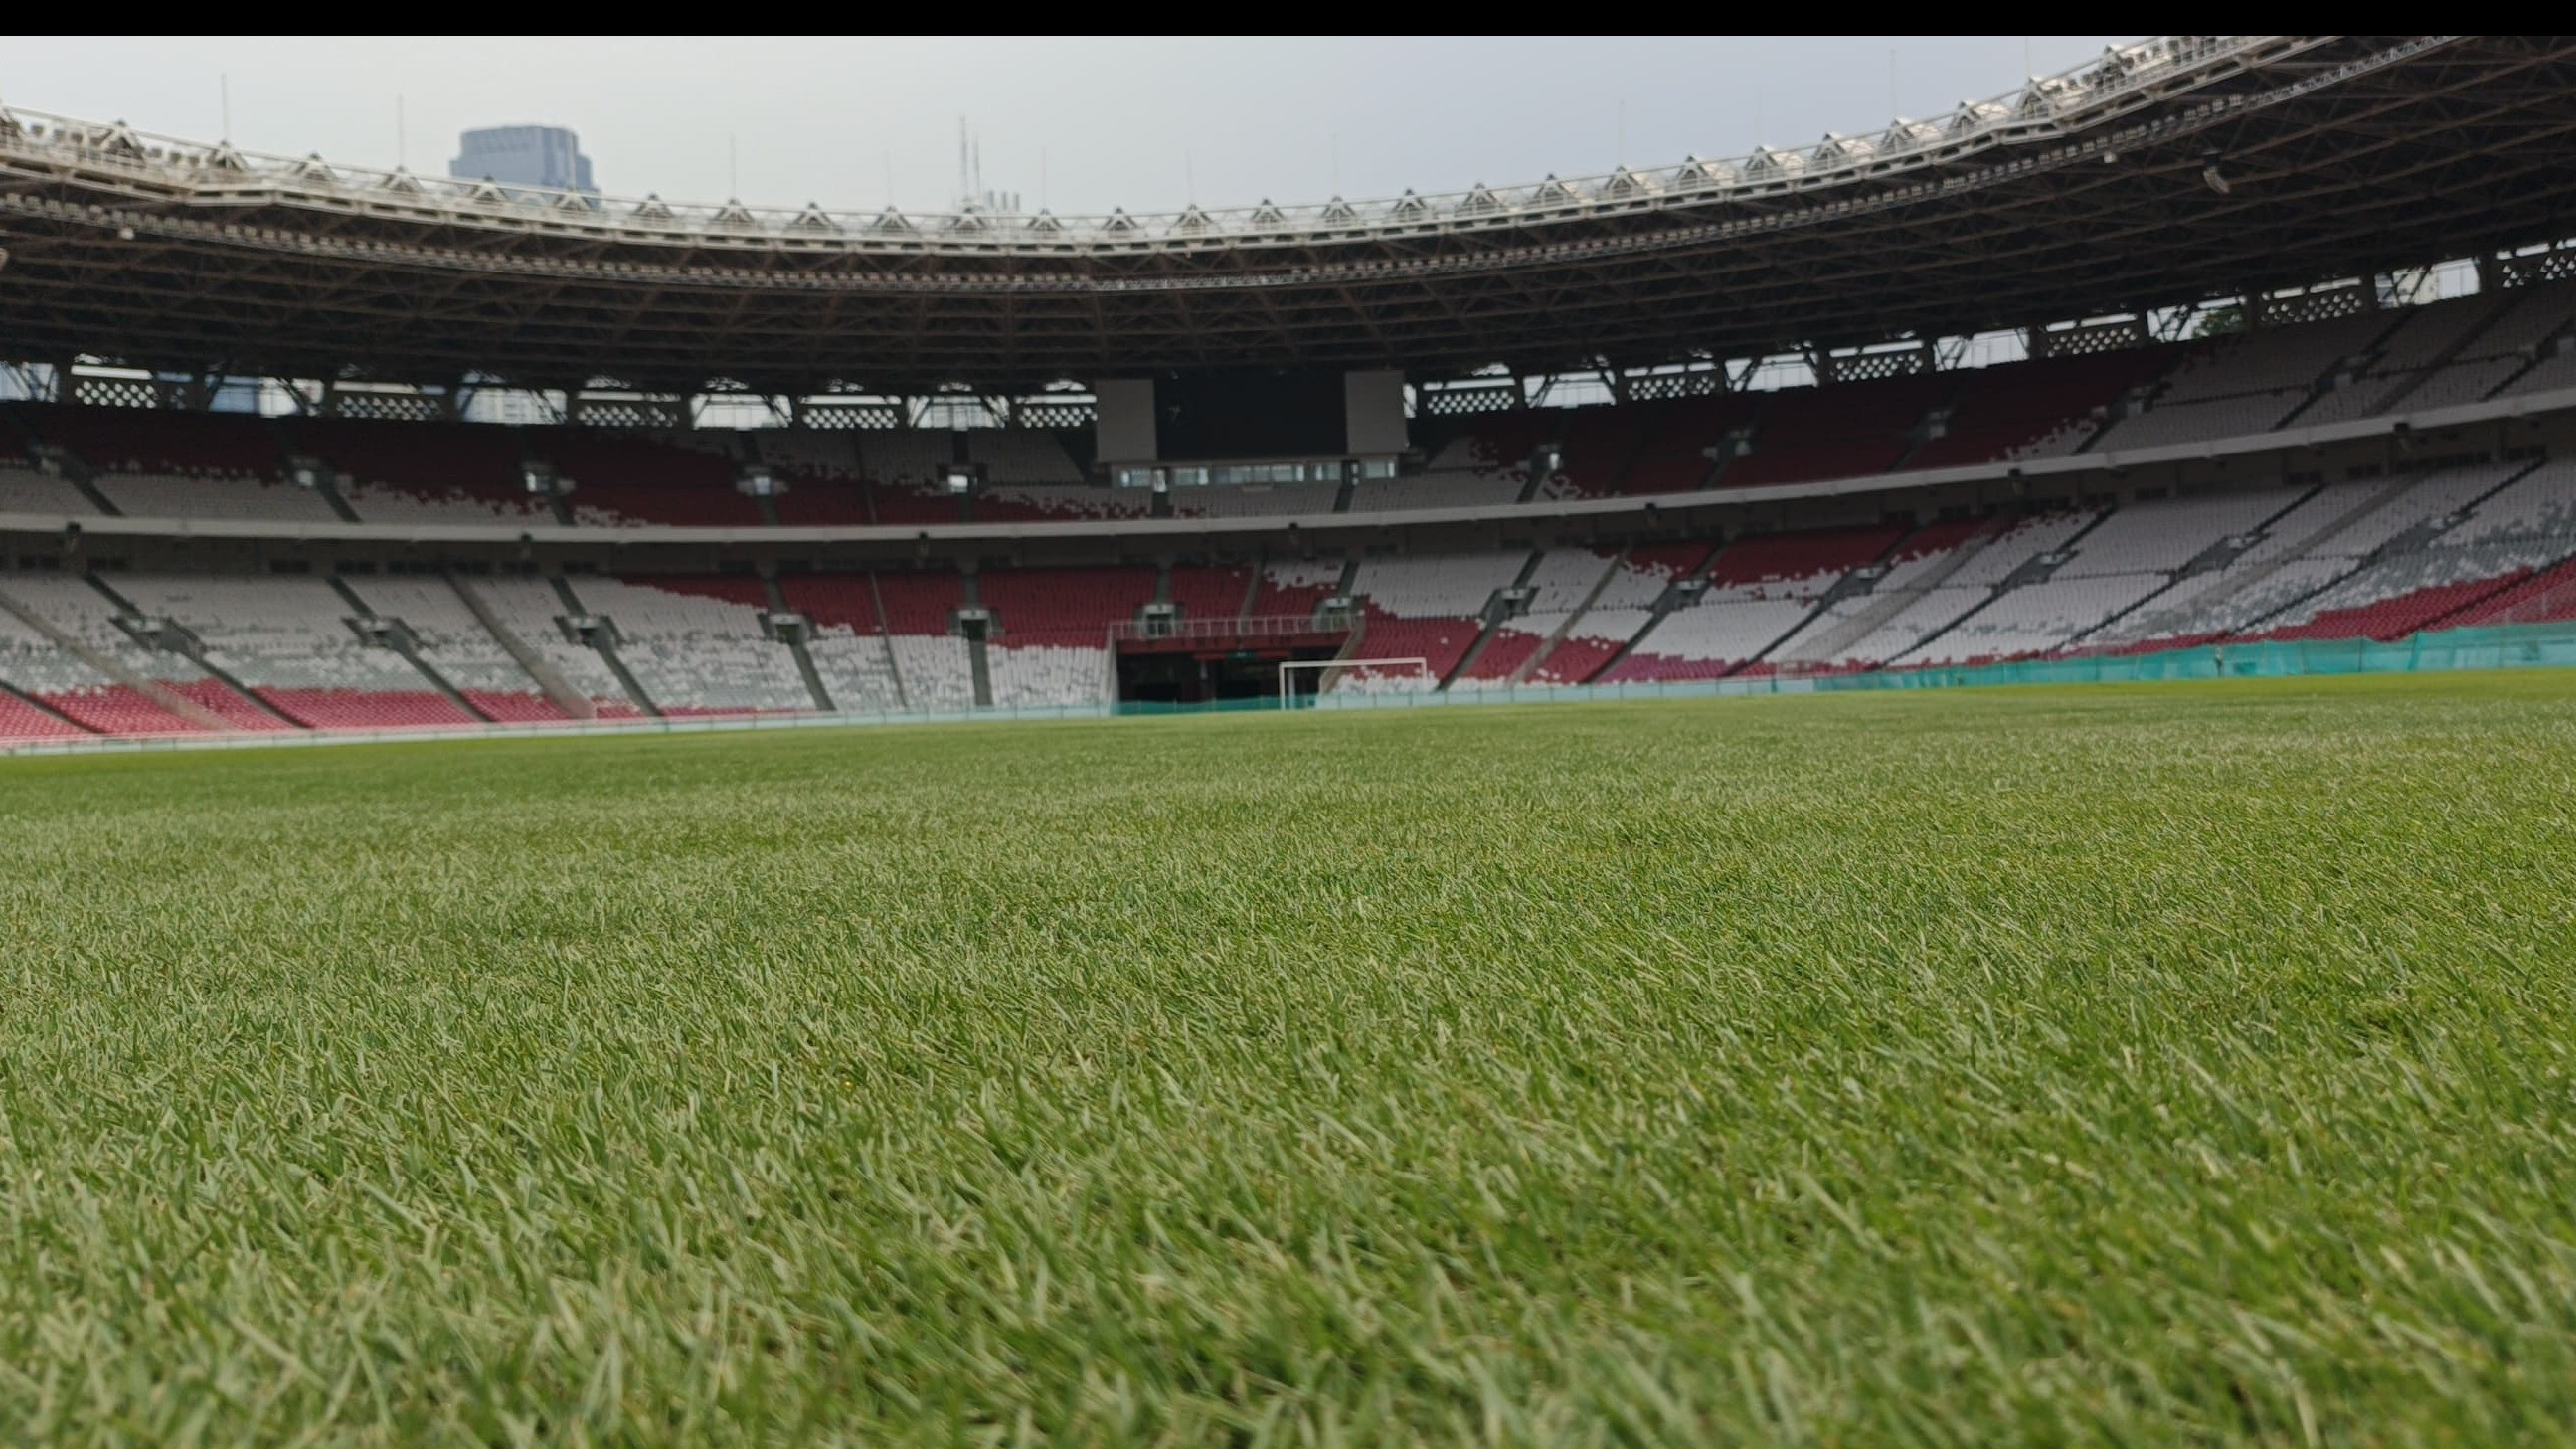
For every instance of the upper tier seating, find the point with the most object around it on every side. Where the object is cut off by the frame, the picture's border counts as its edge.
(2407, 364)
(906, 456)
(1043, 503)
(628, 480)
(1492, 447)
(24, 490)
(1021, 457)
(1671, 454)
(427, 473)
(1435, 490)
(151, 440)
(2038, 409)
(161, 495)
(817, 453)
(912, 504)
(1810, 433)
(2247, 383)
(1255, 500)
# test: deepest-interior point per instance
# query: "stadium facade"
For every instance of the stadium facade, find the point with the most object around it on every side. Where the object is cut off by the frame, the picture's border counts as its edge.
(2214, 338)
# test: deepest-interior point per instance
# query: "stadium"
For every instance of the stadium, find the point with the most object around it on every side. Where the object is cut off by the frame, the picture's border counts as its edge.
(906, 867)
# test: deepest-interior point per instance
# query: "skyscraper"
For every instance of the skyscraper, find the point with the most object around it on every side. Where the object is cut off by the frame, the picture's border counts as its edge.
(523, 156)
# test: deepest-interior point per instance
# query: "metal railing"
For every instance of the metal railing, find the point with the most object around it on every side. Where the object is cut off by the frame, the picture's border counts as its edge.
(1224, 626)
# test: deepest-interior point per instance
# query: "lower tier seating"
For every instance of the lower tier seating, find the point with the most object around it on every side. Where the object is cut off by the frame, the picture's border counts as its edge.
(138, 653)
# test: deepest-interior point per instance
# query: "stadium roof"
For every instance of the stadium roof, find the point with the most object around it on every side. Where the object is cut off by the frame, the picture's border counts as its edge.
(2167, 172)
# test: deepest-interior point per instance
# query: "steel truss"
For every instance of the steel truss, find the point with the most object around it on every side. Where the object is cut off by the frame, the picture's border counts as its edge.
(2267, 162)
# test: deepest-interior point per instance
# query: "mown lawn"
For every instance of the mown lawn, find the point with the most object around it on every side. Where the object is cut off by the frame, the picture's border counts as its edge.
(2182, 1064)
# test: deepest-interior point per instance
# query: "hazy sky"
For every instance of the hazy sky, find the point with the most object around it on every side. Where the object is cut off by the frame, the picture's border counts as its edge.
(1076, 125)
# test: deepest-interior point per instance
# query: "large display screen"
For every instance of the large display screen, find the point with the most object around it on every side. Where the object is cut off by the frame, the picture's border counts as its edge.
(1250, 413)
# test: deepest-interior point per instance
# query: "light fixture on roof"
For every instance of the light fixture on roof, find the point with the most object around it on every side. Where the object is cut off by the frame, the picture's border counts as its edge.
(2211, 177)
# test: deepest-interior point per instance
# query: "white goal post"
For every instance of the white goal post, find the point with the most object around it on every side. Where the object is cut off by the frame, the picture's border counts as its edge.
(1420, 664)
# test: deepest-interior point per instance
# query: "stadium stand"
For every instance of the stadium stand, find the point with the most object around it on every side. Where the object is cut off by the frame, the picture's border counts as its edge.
(695, 644)
(534, 612)
(286, 640)
(102, 677)
(1431, 607)
(163, 495)
(1255, 500)
(24, 490)
(423, 473)
(1211, 593)
(1296, 587)
(452, 641)
(2373, 555)
(632, 481)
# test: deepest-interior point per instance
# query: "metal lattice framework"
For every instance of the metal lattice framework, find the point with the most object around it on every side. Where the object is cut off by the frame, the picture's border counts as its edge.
(2167, 172)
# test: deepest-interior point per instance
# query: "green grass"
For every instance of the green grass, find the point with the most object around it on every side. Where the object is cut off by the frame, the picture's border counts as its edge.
(2169, 1065)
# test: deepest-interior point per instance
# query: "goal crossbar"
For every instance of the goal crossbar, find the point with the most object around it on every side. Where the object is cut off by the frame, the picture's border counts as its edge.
(1416, 660)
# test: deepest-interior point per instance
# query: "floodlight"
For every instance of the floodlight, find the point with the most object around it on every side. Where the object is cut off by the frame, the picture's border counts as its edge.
(2210, 176)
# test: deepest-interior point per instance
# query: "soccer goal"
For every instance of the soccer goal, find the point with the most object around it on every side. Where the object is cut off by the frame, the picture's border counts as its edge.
(1421, 666)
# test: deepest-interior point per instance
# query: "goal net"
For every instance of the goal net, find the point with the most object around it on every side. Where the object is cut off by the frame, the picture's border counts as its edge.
(1321, 668)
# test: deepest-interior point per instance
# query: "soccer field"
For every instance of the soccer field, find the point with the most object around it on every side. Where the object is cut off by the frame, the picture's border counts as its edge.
(2158, 1065)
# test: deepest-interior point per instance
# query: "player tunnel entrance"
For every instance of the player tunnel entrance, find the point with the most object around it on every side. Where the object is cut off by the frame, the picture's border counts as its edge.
(1184, 661)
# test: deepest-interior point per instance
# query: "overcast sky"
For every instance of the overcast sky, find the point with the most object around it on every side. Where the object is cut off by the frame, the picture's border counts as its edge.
(1075, 125)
